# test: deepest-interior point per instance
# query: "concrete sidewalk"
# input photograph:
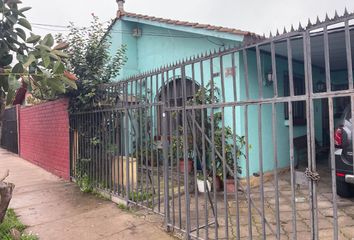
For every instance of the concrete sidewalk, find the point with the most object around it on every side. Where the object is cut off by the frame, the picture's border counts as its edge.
(56, 209)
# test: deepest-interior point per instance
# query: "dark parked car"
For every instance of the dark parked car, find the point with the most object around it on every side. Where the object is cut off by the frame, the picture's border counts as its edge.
(344, 155)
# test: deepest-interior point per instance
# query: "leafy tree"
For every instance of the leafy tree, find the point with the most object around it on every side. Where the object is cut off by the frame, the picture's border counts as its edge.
(91, 61)
(35, 61)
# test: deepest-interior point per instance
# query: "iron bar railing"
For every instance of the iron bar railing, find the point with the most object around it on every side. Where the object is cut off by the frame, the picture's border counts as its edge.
(165, 139)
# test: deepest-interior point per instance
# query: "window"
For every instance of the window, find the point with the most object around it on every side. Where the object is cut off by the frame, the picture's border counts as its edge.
(299, 108)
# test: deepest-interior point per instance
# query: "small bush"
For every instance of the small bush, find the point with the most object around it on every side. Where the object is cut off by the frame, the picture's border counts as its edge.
(139, 196)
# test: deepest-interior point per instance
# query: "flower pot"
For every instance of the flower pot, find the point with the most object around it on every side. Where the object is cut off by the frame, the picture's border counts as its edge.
(230, 185)
(217, 183)
(201, 185)
(189, 165)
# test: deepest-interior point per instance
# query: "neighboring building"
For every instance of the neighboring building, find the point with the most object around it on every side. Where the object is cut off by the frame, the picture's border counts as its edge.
(155, 42)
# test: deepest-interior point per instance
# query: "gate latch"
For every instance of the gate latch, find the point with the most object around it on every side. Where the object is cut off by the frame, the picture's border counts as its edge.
(314, 176)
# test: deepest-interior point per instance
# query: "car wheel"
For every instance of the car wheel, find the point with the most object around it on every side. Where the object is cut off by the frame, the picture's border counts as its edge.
(344, 189)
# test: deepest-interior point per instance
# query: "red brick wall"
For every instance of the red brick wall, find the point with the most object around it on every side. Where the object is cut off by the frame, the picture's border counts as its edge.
(44, 136)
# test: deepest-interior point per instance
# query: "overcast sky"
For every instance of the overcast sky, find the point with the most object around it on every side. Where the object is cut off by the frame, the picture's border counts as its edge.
(260, 16)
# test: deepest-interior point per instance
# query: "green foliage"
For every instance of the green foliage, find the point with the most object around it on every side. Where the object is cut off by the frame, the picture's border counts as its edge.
(82, 178)
(144, 149)
(233, 143)
(84, 183)
(12, 222)
(91, 61)
(32, 58)
(140, 196)
(177, 145)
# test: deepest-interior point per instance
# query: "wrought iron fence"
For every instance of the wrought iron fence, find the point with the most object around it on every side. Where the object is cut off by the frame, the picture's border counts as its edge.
(207, 144)
(9, 136)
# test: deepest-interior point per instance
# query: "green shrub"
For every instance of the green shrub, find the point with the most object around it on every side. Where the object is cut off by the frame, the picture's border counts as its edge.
(12, 222)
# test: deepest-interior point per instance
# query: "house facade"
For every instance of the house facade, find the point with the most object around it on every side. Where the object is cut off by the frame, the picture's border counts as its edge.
(154, 42)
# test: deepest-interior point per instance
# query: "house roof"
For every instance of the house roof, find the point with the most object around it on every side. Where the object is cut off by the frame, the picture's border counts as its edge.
(233, 31)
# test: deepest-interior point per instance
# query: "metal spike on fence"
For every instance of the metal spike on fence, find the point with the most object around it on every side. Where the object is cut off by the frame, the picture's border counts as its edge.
(292, 28)
(345, 14)
(270, 34)
(318, 20)
(309, 24)
(300, 28)
(284, 31)
(327, 18)
(335, 15)
(277, 33)
(264, 36)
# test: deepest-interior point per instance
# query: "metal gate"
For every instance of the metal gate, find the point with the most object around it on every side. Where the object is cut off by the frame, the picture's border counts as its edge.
(9, 130)
(230, 144)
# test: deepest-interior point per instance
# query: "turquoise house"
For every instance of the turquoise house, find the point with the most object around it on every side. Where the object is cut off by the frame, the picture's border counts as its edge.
(153, 42)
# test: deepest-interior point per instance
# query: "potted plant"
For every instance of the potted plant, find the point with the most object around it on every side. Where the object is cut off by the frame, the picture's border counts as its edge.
(233, 153)
(178, 151)
(209, 95)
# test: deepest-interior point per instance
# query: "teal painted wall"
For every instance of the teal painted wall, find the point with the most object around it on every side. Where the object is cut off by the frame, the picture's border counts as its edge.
(282, 129)
(120, 35)
(158, 46)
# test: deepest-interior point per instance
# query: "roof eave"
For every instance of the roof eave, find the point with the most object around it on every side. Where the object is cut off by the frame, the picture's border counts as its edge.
(187, 29)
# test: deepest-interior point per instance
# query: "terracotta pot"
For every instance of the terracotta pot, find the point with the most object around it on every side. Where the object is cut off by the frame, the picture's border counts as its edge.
(189, 165)
(230, 185)
(217, 184)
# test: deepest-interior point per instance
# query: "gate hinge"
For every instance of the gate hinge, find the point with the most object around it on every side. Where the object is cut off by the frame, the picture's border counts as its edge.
(314, 176)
